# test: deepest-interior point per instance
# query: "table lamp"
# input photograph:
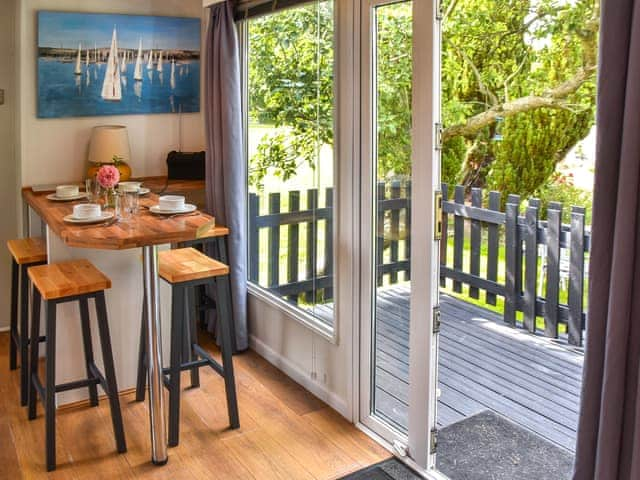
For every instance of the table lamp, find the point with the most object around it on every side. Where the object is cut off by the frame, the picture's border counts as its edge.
(109, 144)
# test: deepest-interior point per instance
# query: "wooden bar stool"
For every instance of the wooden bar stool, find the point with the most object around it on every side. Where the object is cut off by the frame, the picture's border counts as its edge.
(58, 283)
(186, 269)
(25, 253)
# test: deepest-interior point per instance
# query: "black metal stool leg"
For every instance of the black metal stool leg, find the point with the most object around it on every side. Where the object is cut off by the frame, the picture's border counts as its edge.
(88, 349)
(109, 372)
(225, 319)
(24, 336)
(141, 383)
(13, 335)
(191, 330)
(177, 328)
(34, 345)
(50, 384)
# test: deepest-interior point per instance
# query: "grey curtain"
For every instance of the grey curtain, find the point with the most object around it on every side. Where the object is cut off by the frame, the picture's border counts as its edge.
(608, 446)
(226, 170)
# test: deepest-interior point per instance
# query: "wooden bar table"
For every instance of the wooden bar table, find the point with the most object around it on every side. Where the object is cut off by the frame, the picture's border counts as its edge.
(145, 231)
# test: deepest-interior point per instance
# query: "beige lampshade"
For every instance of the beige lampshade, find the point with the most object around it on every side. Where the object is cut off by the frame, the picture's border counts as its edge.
(107, 141)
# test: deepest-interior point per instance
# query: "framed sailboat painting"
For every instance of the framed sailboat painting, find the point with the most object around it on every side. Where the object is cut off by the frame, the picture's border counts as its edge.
(102, 64)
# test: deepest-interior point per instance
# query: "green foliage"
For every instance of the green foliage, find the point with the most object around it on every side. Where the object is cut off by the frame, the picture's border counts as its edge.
(291, 87)
(495, 51)
(534, 142)
(560, 188)
(394, 76)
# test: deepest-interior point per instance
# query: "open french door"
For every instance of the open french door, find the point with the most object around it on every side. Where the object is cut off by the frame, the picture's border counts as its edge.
(400, 167)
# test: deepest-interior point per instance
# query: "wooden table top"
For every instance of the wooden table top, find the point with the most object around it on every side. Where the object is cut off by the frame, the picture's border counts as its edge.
(143, 229)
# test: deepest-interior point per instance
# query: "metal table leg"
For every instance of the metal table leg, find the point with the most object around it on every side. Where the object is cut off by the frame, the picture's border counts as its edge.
(154, 356)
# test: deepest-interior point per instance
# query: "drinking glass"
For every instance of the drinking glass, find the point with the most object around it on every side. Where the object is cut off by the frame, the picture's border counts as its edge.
(93, 189)
(129, 203)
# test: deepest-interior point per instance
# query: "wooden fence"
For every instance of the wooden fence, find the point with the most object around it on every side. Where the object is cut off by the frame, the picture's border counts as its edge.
(529, 244)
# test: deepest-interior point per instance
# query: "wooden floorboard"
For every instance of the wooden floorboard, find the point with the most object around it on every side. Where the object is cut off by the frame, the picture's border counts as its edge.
(483, 364)
(286, 433)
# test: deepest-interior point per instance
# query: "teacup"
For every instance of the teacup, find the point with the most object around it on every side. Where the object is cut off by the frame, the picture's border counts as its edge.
(171, 202)
(129, 186)
(65, 191)
(86, 210)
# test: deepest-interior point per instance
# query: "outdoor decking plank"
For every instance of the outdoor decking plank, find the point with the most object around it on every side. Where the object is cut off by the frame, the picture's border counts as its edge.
(558, 405)
(482, 366)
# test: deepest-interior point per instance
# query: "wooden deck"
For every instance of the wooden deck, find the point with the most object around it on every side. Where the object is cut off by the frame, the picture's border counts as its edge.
(483, 364)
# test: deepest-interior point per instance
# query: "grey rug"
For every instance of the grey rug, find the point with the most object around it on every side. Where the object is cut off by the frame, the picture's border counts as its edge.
(391, 469)
(487, 446)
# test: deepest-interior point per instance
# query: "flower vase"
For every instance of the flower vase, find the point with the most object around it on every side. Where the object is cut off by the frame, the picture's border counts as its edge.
(110, 198)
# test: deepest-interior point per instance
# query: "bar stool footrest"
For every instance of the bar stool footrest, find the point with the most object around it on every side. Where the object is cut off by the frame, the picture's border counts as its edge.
(64, 387)
(212, 362)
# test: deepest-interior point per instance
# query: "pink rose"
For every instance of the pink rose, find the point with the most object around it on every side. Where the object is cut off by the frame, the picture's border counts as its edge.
(108, 176)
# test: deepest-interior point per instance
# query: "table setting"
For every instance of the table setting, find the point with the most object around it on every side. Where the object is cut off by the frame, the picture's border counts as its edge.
(106, 201)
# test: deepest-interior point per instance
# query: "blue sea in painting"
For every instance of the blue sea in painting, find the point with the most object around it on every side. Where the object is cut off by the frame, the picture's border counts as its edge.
(61, 93)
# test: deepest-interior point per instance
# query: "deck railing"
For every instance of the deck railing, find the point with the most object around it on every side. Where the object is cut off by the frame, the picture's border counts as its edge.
(495, 251)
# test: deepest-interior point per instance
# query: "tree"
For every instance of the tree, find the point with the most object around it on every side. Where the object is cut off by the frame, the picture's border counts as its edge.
(291, 87)
(518, 86)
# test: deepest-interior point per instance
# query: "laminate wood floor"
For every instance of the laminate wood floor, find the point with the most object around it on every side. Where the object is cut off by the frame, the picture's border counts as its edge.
(286, 433)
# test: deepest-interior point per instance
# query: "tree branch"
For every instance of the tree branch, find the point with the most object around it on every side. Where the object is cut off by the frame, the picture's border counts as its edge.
(552, 98)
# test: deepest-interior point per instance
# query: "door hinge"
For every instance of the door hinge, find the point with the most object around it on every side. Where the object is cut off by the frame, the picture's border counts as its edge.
(436, 319)
(433, 443)
(438, 136)
(437, 215)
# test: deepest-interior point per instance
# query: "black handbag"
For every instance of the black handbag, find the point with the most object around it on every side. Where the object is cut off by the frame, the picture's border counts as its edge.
(186, 165)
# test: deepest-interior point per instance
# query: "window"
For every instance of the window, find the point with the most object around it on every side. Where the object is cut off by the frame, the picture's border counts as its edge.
(290, 97)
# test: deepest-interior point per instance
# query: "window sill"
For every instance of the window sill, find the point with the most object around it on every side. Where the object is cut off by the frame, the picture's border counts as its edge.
(307, 319)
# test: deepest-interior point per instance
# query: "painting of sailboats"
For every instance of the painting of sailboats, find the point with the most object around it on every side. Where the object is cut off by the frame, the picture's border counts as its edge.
(111, 53)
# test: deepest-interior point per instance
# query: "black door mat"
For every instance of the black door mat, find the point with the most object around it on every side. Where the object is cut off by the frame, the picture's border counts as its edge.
(391, 469)
(488, 446)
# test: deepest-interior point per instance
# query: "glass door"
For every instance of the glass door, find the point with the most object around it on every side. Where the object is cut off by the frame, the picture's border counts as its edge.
(400, 163)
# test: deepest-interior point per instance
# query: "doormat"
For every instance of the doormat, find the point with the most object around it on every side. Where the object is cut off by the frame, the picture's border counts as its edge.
(391, 469)
(488, 446)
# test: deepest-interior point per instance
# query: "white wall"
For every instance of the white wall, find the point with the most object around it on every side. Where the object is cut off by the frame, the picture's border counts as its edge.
(54, 150)
(8, 163)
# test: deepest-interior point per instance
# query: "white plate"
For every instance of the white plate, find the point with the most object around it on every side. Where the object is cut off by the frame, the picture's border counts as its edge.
(56, 198)
(188, 208)
(104, 216)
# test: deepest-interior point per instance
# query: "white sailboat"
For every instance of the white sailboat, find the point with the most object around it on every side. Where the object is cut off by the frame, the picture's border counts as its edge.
(150, 63)
(172, 79)
(78, 70)
(111, 88)
(123, 65)
(137, 71)
(86, 62)
(159, 67)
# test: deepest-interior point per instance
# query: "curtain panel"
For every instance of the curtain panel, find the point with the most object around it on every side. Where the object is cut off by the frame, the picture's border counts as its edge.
(608, 445)
(225, 166)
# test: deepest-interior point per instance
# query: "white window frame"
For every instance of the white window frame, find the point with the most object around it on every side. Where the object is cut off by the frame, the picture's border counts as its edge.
(343, 225)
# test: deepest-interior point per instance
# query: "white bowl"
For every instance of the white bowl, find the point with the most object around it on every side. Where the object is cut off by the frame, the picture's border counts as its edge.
(129, 186)
(86, 210)
(64, 191)
(171, 202)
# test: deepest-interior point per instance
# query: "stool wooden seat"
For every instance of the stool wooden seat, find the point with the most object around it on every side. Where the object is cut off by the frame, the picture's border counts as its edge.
(28, 250)
(65, 279)
(187, 269)
(25, 252)
(76, 280)
(187, 264)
